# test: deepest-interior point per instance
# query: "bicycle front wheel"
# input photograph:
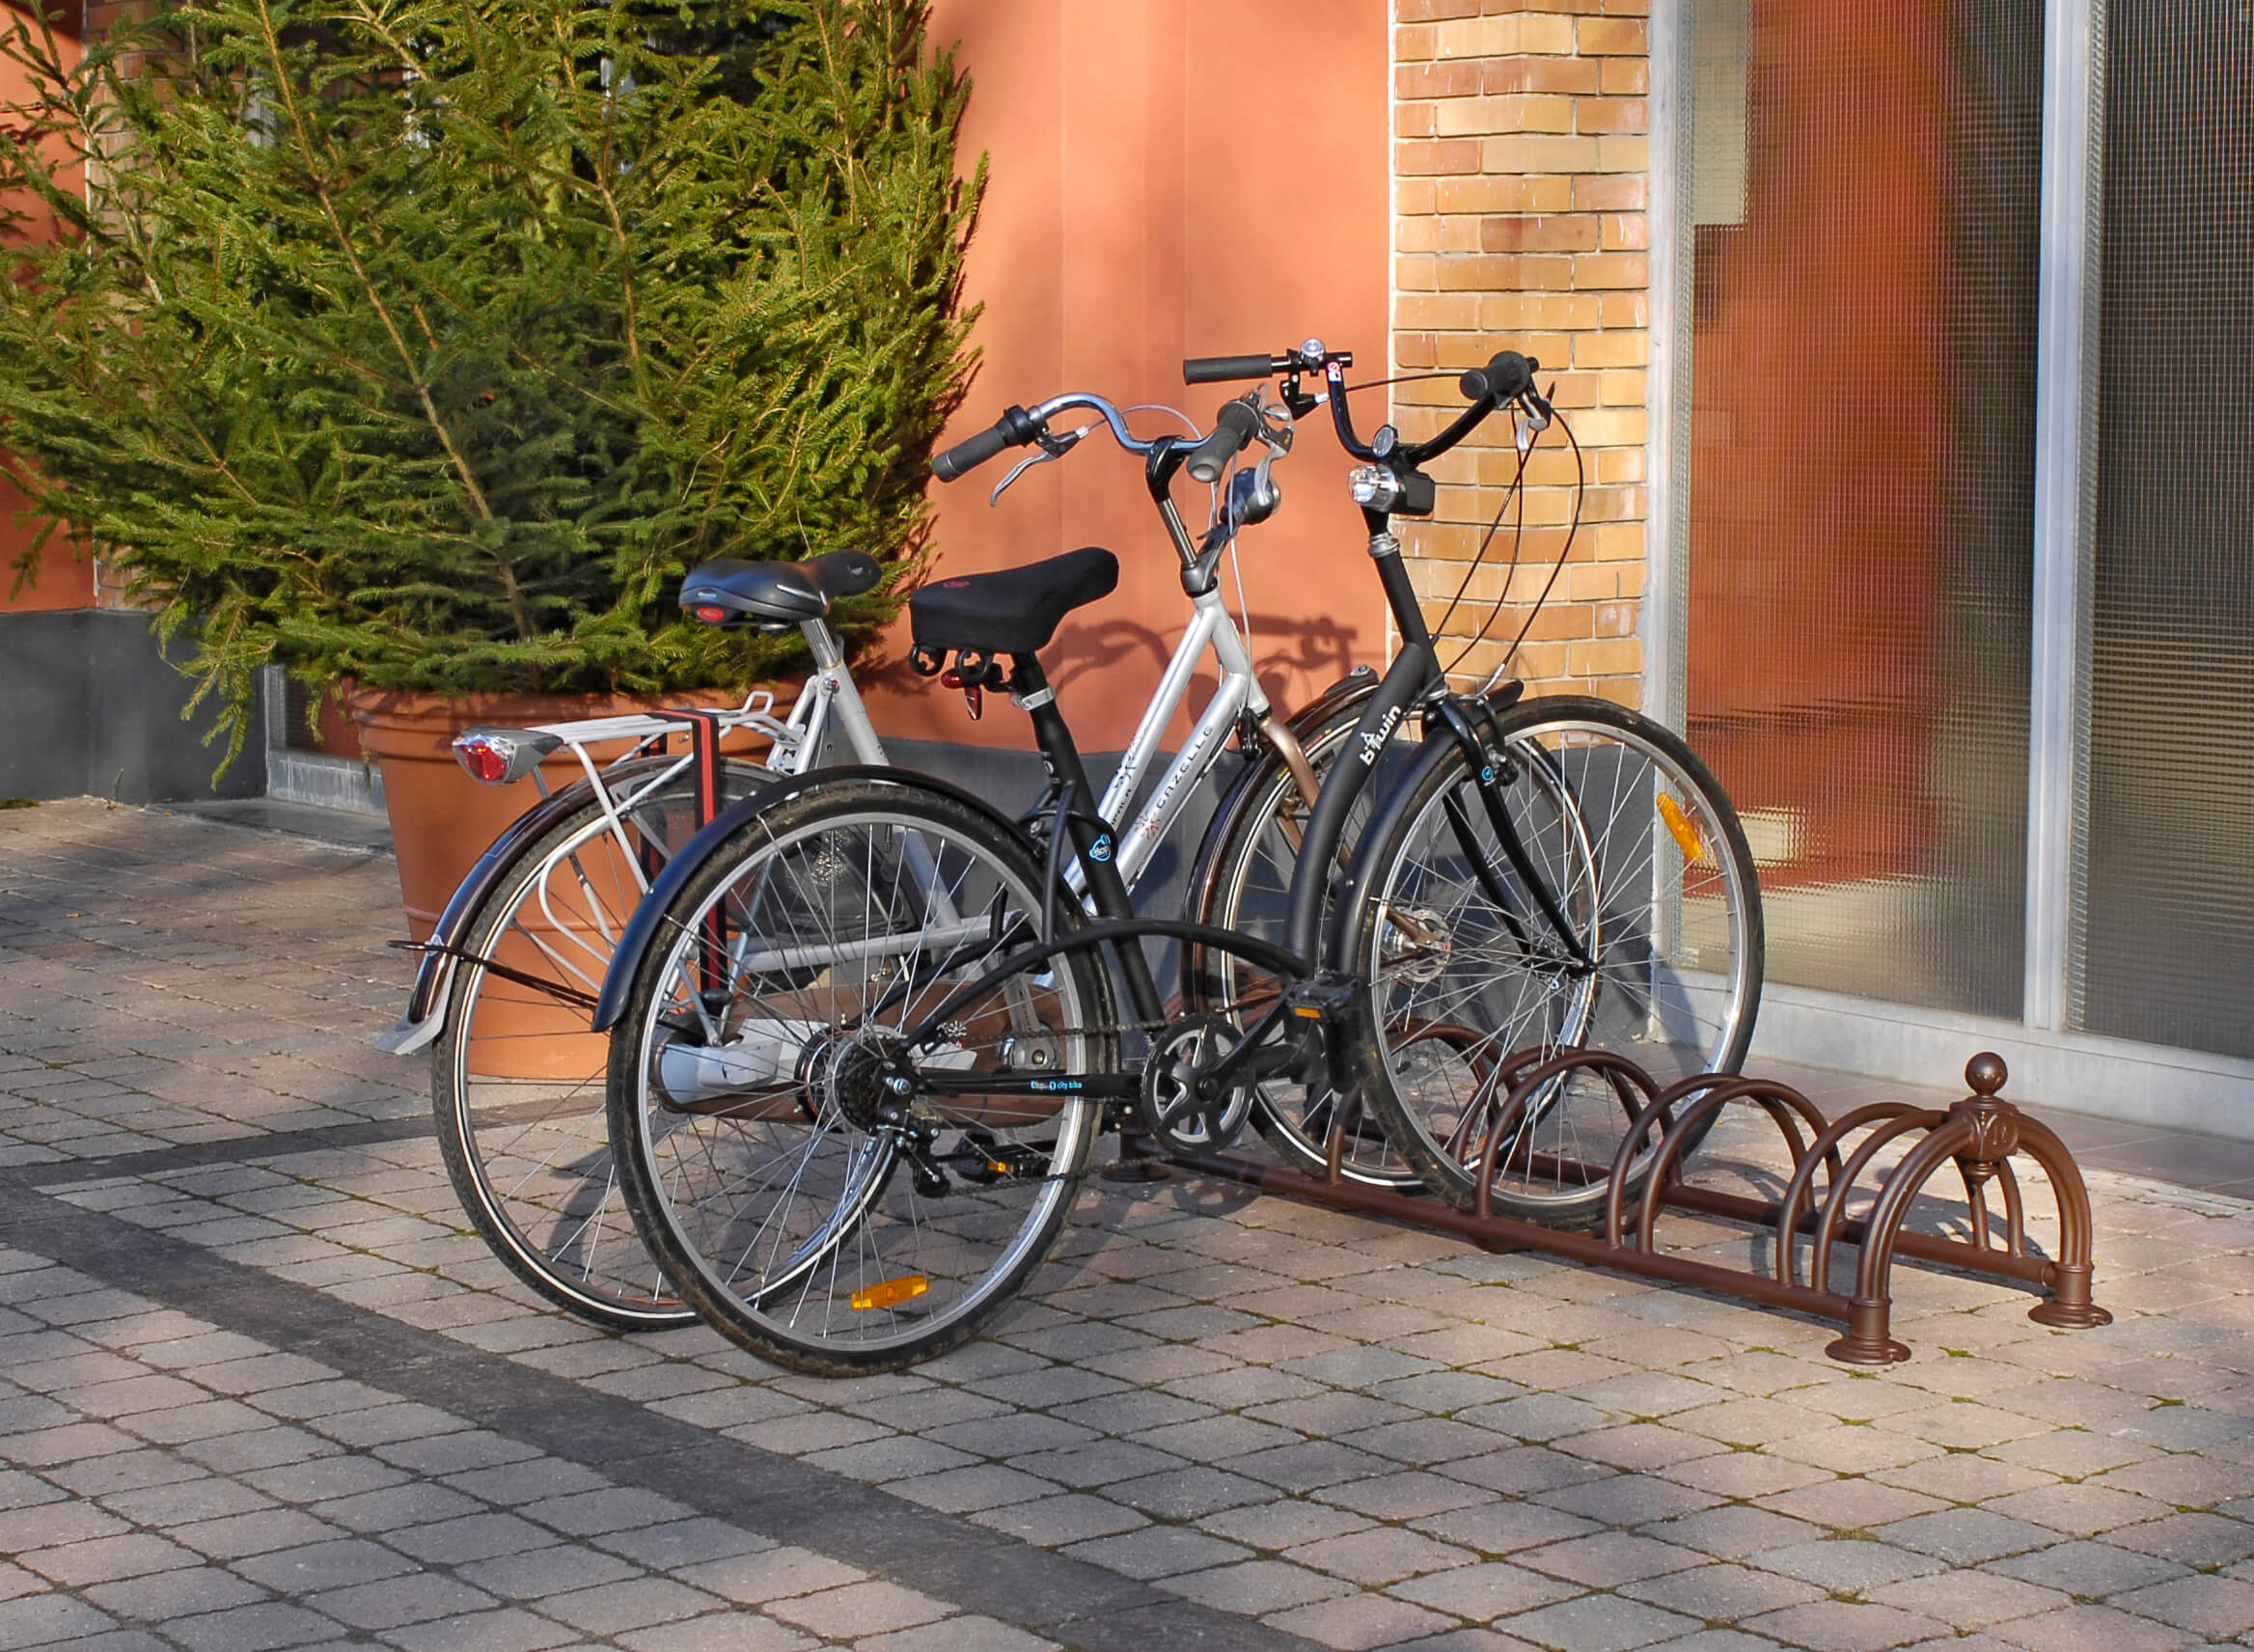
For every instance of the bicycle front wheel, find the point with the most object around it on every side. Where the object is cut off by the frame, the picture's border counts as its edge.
(776, 1149)
(1596, 894)
(516, 1079)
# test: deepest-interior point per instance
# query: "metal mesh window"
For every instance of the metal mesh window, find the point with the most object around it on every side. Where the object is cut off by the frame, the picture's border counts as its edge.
(1865, 198)
(2166, 920)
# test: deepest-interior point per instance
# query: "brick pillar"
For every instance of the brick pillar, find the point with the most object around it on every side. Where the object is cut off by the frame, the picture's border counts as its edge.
(1520, 188)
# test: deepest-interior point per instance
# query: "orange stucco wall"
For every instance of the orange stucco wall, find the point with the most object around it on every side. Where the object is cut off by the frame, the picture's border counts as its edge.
(1167, 180)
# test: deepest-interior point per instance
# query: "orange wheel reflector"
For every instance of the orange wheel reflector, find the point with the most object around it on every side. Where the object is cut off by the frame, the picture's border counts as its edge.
(1679, 823)
(890, 1293)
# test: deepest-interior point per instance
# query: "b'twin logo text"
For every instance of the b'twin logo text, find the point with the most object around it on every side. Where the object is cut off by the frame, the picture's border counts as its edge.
(1374, 742)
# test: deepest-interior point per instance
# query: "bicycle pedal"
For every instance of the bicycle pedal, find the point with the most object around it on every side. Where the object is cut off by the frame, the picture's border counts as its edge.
(1331, 998)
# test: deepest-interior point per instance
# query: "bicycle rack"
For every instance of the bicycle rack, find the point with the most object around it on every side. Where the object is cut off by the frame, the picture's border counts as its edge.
(1980, 1134)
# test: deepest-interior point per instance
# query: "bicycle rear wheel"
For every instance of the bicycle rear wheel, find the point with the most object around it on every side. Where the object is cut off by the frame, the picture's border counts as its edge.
(1623, 917)
(516, 1079)
(793, 1198)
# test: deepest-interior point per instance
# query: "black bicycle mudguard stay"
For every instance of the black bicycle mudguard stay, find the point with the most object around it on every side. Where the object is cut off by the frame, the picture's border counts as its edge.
(649, 917)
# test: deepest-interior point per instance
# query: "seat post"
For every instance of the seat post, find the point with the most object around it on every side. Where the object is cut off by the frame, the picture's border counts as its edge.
(1091, 838)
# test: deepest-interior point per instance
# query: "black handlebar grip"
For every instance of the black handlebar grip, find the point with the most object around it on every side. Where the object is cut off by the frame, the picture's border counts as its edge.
(1507, 374)
(1215, 370)
(1232, 432)
(1013, 429)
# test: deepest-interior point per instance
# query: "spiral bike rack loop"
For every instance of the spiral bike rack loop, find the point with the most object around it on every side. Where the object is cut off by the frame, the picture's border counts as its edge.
(1981, 1135)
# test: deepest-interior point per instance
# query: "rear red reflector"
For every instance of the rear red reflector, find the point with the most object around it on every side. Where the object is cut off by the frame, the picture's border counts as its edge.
(484, 762)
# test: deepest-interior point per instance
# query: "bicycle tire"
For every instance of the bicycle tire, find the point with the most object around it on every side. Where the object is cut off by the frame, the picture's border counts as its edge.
(1649, 869)
(516, 1084)
(1242, 881)
(746, 1109)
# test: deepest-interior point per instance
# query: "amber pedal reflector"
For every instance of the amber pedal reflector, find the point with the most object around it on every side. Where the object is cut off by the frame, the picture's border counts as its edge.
(1679, 823)
(890, 1293)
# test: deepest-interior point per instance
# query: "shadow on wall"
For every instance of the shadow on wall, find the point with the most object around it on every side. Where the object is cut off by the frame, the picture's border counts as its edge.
(1318, 650)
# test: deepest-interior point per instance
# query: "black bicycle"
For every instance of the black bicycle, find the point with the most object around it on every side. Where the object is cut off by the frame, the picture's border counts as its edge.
(950, 1007)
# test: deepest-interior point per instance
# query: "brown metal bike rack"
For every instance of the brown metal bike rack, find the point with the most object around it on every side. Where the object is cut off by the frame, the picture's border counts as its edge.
(1980, 1134)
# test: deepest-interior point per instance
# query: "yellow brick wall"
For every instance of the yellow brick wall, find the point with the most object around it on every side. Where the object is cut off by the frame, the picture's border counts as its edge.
(1519, 185)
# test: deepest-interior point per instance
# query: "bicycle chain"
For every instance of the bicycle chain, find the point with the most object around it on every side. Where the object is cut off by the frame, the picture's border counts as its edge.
(1114, 1027)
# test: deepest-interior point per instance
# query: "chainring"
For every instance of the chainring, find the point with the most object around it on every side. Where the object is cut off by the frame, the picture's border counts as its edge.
(1187, 1112)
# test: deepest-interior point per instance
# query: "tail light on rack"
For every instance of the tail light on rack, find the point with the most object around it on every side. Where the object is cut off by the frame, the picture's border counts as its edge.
(501, 756)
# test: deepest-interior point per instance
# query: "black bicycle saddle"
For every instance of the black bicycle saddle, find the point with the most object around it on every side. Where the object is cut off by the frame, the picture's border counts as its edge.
(777, 592)
(1012, 610)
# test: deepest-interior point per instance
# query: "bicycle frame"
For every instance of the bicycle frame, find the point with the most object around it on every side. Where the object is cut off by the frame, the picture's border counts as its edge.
(1302, 958)
(1319, 981)
(1212, 630)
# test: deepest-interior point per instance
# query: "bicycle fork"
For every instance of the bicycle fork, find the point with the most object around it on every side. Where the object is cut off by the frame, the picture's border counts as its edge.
(1493, 770)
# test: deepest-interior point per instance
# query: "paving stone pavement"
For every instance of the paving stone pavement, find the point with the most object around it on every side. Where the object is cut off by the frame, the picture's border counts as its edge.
(260, 1387)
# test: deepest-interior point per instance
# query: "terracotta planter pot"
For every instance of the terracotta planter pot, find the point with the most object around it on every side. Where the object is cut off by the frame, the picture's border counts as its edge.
(442, 820)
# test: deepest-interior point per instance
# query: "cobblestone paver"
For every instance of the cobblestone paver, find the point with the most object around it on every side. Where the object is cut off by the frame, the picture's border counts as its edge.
(1312, 1424)
(166, 1476)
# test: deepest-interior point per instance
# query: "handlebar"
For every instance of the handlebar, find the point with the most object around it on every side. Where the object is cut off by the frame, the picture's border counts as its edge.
(1506, 378)
(1013, 429)
(1020, 425)
(1218, 370)
(1233, 428)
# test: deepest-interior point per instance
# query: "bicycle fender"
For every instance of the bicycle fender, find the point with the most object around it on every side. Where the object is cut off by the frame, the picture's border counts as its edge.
(1348, 691)
(433, 987)
(641, 930)
(1413, 670)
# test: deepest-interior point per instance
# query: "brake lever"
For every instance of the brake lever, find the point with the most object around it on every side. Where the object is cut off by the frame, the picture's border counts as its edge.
(1530, 416)
(1250, 495)
(1276, 428)
(1053, 447)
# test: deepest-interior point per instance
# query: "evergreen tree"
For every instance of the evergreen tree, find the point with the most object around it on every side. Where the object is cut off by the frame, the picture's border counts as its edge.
(429, 341)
